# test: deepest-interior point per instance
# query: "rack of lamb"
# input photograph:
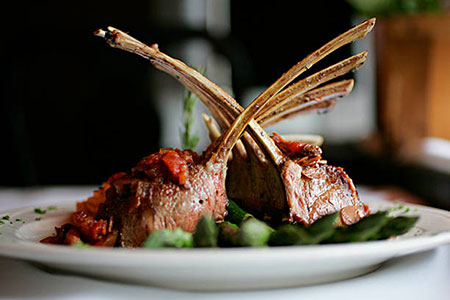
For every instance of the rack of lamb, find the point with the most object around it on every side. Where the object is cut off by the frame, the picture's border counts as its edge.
(269, 176)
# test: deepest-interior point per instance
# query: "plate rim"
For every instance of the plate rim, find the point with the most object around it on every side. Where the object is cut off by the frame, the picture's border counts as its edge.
(21, 249)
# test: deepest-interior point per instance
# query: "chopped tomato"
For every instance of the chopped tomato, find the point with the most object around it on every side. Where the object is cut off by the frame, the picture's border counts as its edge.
(72, 237)
(286, 146)
(176, 165)
(91, 229)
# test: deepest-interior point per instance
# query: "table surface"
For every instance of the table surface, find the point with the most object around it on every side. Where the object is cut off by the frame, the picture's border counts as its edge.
(420, 276)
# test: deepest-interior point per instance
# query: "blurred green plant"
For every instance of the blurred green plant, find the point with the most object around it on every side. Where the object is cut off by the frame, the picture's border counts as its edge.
(386, 8)
(188, 139)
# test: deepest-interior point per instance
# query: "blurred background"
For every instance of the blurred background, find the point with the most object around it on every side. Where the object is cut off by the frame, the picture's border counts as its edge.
(73, 111)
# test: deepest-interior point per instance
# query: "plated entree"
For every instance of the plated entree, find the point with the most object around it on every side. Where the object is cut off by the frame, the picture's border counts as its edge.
(178, 198)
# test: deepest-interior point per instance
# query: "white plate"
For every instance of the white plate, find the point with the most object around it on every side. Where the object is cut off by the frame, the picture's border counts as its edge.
(217, 269)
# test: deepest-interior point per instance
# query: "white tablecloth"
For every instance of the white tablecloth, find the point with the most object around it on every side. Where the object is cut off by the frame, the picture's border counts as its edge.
(420, 276)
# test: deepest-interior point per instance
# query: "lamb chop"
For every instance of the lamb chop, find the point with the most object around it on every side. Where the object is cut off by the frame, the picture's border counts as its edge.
(292, 198)
(307, 155)
(173, 188)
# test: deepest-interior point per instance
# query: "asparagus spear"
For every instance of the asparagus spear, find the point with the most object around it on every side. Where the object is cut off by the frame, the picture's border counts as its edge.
(206, 232)
(323, 228)
(236, 214)
(364, 230)
(288, 235)
(395, 226)
(254, 233)
(228, 234)
(320, 230)
(168, 238)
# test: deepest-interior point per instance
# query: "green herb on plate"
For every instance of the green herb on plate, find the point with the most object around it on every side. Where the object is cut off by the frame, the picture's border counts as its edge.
(40, 211)
(5, 218)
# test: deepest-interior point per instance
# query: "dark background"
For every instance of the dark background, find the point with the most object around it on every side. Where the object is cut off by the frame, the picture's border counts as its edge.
(74, 111)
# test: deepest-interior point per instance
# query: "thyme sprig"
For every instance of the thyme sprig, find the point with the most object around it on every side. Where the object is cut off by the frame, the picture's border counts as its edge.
(189, 139)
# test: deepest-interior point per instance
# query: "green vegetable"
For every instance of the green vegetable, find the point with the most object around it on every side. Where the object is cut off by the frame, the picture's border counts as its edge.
(51, 208)
(363, 230)
(1, 223)
(18, 220)
(37, 219)
(287, 235)
(254, 233)
(6, 218)
(168, 238)
(80, 244)
(395, 226)
(39, 211)
(323, 228)
(228, 234)
(189, 140)
(236, 214)
(206, 232)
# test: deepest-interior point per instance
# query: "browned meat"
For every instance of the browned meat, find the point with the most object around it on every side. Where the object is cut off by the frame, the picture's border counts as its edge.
(144, 203)
(321, 190)
(318, 190)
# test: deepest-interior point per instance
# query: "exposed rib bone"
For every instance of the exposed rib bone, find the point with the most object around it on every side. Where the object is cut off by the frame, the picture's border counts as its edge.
(355, 33)
(214, 133)
(299, 103)
(352, 63)
(209, 93)
(317, 106)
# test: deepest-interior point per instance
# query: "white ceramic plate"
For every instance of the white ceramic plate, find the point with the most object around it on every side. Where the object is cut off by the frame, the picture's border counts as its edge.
(217, 269)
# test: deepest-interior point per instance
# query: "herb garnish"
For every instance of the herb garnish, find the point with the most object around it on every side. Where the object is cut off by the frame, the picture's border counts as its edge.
(40, 211)
(188, 139)
(18, 220)
(37, 219)
(6, 218)
(51, 207)
(1, 223)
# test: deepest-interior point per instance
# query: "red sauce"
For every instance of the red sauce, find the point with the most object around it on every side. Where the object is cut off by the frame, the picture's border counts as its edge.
(93, 230)
(289, 148)
(177, 166)
(167, 163)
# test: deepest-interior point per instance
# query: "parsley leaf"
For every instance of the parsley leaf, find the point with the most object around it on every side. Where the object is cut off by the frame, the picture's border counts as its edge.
(40, 211)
